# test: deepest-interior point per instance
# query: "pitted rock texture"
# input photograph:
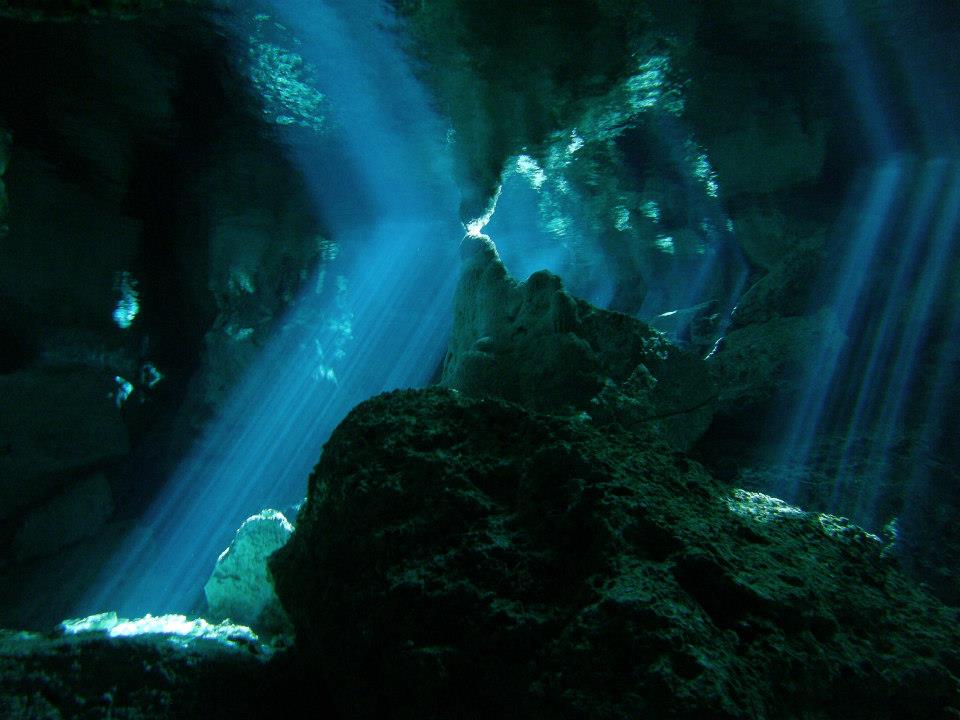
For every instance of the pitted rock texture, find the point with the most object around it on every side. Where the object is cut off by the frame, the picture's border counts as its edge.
(469, 558)
(52, 676)
(534, 344)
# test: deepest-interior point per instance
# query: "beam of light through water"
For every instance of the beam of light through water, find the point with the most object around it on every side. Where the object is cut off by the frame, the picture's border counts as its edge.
(871, 220)
(873, 112)
(934, 266)
(386, 328)
(883, 337)
(905, 232)
(922, 515)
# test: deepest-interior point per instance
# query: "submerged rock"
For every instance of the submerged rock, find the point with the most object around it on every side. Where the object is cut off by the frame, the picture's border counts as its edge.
(104, 666)
(534, 344)
(768, 364)
(462, 557)
(240, 588)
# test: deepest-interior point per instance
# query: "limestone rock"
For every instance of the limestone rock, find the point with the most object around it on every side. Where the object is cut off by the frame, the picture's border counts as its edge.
(110, 668)
(54, 423)
(534, 344)
(240, 587)
(767, 363)
(76, 514)
(463, 557)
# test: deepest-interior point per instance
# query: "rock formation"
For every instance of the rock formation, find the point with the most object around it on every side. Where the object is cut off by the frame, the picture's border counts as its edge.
(534, 344)
(471, 558)
(240, 588)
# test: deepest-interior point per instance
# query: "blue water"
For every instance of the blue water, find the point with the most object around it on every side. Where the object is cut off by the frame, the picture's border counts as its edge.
(379, 319)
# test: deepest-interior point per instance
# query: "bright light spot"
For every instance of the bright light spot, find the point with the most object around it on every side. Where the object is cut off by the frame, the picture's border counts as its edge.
(124, 390)
(475, 227)
(129, 303)
(240, 281)
(651, 210)
(177, 626)
(621, 218)
(531, 170)
(648, 89)
(285, 84)
(576, 142)
(838, 527)
(704, 172)
(665, 243)
(558, 226)
(759, 507)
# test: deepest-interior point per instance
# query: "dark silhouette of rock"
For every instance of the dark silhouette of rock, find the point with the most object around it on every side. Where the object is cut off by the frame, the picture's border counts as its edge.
(462, 557)
(534, 344)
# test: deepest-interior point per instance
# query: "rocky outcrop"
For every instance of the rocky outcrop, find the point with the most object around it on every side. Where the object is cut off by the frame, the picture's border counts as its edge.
(240, 588)
(504, 75)
(534, 344)
(166, 667)
(463, 557)
(768, 363)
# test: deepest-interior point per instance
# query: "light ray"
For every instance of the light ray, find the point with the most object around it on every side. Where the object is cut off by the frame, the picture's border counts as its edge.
(385, 328)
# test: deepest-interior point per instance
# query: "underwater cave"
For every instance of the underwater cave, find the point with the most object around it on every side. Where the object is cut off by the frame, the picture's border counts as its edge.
(479, 359)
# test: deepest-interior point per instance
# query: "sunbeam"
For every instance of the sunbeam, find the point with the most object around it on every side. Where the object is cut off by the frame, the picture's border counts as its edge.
(376, 319)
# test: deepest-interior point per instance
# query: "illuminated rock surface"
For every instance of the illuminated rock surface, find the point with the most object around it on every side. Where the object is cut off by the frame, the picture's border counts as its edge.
(470, 558)
(240, 588)
(165, 667)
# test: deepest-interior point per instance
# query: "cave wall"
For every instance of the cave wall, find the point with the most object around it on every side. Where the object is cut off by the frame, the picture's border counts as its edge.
(155, 230)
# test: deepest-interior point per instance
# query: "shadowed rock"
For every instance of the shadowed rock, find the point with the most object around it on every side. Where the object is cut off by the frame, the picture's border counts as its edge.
(534, 344)
(464, 557)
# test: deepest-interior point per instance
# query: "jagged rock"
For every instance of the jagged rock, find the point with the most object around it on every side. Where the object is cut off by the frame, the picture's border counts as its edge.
(534, 344)
(512, 61)
(54, 423)
(76, 514)
(240, 588)
(166, 667)
(464, 557)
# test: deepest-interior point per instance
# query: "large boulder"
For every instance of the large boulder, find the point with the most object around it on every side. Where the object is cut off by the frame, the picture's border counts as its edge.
(462, 557)
(240, 588)
(532, 343)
